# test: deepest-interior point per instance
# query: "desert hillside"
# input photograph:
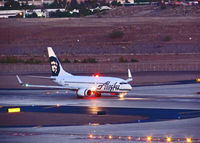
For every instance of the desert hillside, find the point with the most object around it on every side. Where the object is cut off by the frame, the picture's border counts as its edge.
(145, 32)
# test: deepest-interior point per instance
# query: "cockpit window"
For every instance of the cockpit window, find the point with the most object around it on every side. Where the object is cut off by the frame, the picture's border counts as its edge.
(123, 83)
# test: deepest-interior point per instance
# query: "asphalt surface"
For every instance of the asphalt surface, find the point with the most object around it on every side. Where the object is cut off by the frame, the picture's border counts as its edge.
(157, 111)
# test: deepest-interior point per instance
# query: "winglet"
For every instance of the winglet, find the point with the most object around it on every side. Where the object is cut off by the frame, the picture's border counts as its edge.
(19, 80)
(129, 76)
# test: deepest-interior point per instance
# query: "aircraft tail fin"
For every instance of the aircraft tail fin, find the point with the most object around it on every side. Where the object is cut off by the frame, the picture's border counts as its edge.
(55, 65)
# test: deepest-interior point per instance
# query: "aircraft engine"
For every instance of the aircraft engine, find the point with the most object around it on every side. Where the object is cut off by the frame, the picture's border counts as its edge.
(85, 92)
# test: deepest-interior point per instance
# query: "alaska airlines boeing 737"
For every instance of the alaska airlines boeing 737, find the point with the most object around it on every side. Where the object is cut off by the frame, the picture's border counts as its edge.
(83, 85)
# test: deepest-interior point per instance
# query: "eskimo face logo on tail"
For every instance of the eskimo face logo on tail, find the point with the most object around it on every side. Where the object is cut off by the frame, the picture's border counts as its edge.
(55, 68)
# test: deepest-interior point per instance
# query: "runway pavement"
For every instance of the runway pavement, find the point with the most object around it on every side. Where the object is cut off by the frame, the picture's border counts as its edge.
(156, 111)
(180, 96)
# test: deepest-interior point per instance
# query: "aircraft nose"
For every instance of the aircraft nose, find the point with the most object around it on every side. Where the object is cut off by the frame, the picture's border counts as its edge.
(126, 87)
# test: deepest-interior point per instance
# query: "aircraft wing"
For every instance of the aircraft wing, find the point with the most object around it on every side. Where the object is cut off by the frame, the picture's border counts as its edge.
(51, 78)
(43, 86)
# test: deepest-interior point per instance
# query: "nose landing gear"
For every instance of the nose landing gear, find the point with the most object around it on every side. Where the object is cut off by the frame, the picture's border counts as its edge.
(121, 95)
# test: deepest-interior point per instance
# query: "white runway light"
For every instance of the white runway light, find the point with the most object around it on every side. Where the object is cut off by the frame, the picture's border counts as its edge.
(188, 140)
(149, 138)
(168, 139)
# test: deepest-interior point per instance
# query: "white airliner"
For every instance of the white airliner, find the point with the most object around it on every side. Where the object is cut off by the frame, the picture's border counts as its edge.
(83, 85)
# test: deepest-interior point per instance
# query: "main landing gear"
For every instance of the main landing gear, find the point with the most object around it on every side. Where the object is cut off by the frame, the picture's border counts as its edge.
(98, 94)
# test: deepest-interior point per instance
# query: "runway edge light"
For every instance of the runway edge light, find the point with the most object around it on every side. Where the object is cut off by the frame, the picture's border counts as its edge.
(110, 137)
(14, 110)
(90, 136)
(168, 139)
(188, 140)
(149, 138)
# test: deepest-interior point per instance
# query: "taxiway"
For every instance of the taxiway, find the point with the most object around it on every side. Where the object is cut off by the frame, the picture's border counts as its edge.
(161, 111)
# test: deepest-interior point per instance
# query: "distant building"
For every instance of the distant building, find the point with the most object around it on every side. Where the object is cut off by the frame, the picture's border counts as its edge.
(126, 1)
(2, 2)
(30, 2)
(40, 2)
(35, 2)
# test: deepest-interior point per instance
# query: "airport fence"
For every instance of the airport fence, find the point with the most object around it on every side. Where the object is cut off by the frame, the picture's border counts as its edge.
(99, 67)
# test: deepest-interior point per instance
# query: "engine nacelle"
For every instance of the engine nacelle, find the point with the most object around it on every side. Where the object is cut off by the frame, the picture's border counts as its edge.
(85, 92)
